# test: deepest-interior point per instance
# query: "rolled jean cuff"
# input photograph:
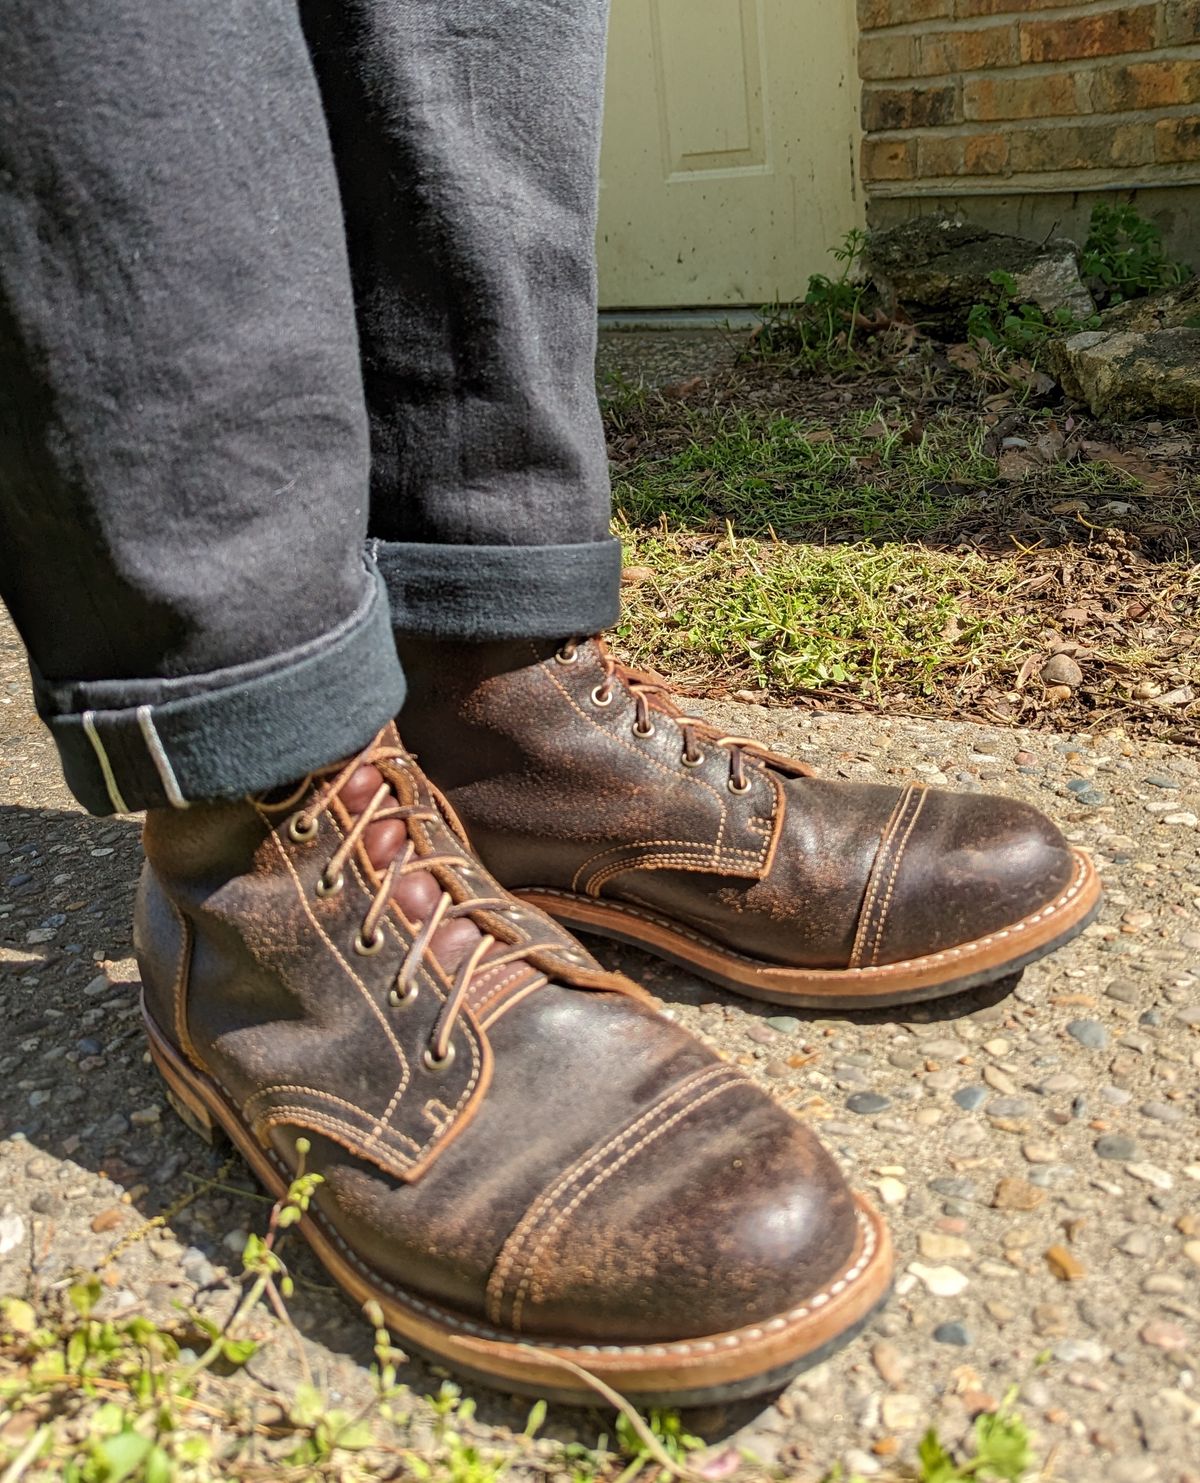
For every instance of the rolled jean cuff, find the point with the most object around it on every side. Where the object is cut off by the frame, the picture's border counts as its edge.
(133, 744)
(477, 593)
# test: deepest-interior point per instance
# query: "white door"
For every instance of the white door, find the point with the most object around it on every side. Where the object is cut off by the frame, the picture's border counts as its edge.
(730, 149)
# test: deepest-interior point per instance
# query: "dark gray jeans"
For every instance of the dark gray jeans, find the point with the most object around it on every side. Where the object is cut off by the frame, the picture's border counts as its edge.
(297, 325)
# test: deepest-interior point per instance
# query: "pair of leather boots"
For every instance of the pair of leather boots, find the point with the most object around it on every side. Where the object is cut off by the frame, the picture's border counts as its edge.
(531, 1171)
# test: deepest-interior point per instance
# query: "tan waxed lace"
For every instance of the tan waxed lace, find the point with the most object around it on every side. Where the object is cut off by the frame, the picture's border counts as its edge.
(383, 805)
(651, 696)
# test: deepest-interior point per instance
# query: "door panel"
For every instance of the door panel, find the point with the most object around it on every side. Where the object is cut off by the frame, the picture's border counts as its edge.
(731, 136)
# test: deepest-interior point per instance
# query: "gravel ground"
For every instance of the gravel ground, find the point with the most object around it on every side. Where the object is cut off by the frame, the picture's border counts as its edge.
(1035, 1148)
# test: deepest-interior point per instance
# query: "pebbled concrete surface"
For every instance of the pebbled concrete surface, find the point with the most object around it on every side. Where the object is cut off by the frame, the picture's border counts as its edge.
(1035, 1148)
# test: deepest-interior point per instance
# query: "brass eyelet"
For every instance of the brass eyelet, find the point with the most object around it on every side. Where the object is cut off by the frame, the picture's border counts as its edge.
(297, 830)
(368, 947)
(401, 1001)
(743, 787)
(327, 887)
(649, 730)
(602, 698)
(696, 761)
(432, 1063)
(567, 656)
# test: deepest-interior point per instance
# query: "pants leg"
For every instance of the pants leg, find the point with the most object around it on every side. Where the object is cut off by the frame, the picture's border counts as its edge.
(183, 441)
(466, 137)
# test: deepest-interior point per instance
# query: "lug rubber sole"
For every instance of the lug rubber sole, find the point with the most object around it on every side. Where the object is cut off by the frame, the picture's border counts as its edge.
(709, 1370)
(935, 976)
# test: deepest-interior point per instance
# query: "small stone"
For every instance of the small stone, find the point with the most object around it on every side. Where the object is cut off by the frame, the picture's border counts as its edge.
(892, 1191)
(951, 1188)
(1091, 1034)
(1061, 669)
(1161, 1334)
(1162, 1112)
(999, 1081)
(1065, 1265)
(937, 1247)
(197, 1268)
(902, 1413)
(1151, 1174)
(891, 1363)
(1137, 1243)
(953, 1333)
(1060, 1085)
(146, 1117)
(1017, 1194)
(998, 1047)
(1050, 1321)
(942, 1282)
(867, 1103)
(1000, 1312)
(1079, 1351)
(1039, 1153)
(1008, 1107)
(971, 1098)
(1185, 820)
(107, 1220)
(12, 1233)
(1191, 1249)
(786, 1024)
(1116, 1146)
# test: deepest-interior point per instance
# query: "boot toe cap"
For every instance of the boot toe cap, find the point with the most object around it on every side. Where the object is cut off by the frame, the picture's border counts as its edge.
(722, 1213)
(977, 865)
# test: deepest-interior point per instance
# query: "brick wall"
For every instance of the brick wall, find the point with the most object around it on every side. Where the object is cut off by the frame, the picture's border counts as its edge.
(988, 95)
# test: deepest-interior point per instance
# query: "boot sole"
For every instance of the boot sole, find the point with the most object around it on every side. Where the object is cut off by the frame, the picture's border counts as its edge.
(935, 976)
(722, 1367)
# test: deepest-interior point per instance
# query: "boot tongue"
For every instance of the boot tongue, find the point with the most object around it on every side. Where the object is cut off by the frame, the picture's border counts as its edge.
(416, 892)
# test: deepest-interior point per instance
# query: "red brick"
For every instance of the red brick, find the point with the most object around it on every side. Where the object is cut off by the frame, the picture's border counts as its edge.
(1105, 35)
(1180, 25)
(1081, 147)
(990, 98)
(888, 159)
(968, 9)
(985, 154)
(1139, 85)
(1177, 139)
(884, 57)
(909, 108)
(965, 51)
(939, 154)
(873, 14)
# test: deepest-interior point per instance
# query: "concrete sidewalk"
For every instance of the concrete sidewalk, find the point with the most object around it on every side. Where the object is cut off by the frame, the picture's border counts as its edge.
(1036, 1150)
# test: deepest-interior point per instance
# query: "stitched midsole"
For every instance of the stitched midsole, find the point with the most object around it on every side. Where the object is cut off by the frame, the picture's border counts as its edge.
(1030, 931)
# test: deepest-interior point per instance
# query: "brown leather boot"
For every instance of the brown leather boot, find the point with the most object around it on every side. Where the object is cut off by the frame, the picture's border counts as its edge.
(524, 1166)
(586, 791)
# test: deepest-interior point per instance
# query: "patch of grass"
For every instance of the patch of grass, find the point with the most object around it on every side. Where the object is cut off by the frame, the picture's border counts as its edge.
(732, 611)
(869, 476)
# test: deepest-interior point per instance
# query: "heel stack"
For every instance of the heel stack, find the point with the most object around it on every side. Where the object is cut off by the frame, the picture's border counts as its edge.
(186, 1104)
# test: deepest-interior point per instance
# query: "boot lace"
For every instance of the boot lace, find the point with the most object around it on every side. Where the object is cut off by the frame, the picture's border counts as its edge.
(651, 697)
(411, 858)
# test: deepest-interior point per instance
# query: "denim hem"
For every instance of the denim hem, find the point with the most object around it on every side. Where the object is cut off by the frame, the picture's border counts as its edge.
(477, 593)
(130, 745)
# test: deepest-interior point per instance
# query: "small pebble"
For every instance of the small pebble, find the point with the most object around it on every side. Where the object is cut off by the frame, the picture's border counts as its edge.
(1116, 1146)
(942, 1282)
(1091, 1034)
(953, 1333)
(866, 1103)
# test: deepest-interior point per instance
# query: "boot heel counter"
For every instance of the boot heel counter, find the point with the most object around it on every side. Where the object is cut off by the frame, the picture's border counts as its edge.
(162, 942)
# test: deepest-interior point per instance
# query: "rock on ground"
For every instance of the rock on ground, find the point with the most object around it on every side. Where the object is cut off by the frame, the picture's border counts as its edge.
(1144, 358)
(937, 269)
